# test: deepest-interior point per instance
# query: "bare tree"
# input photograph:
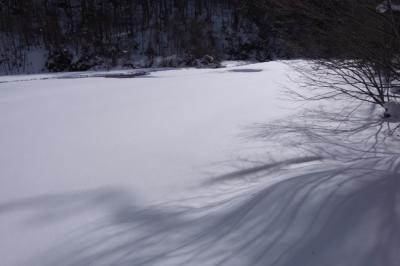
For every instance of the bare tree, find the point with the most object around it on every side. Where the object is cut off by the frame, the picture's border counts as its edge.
(361, 39)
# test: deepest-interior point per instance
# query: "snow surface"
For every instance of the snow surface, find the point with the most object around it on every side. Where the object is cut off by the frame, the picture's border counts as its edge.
(193, 167)
(392, 109)
(387, 5)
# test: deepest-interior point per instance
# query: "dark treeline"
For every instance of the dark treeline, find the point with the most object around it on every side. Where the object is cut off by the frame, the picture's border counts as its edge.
(78, 34)
(70, 35)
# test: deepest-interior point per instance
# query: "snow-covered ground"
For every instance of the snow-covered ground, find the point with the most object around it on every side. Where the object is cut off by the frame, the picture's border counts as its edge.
(192, 167)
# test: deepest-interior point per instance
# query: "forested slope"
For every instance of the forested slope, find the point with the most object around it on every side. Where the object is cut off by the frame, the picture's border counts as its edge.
(68, 35)
(78, 35)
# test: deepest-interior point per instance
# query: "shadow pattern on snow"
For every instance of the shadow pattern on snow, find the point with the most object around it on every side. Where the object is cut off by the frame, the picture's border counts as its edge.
(337, 204)
(351, 209)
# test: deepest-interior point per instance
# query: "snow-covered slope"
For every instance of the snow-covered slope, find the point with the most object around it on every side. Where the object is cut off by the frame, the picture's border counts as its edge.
(192, 167)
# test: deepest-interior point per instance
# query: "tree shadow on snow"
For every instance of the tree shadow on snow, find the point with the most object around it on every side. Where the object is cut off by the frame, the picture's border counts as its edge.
(335, 203)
